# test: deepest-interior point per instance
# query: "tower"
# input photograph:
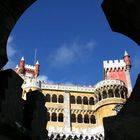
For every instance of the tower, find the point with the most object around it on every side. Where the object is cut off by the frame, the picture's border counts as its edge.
(29, 73)
(37, 66)
(119, 69)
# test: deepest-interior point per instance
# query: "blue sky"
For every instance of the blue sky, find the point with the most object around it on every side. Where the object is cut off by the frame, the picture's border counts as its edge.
(72, 38)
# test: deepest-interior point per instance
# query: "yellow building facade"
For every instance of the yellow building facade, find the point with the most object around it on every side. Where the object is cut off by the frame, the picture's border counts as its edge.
(77, 112)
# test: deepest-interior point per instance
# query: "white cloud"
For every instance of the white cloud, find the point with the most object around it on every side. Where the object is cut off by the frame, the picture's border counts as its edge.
(68, 54)
(45, 79)
(11, 53)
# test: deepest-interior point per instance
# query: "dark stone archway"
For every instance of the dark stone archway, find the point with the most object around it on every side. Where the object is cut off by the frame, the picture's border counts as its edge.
(10, 12)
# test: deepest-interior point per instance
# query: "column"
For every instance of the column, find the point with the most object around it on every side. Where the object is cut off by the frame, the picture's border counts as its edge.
(67, 121)
(128, 82)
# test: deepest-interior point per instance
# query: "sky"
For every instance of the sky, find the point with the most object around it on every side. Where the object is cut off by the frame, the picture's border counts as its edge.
(72, 38)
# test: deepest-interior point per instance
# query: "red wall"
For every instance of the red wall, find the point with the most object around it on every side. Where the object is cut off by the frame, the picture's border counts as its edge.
(118, 74)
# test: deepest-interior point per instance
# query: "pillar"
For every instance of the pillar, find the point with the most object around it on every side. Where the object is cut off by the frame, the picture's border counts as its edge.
(67, 118)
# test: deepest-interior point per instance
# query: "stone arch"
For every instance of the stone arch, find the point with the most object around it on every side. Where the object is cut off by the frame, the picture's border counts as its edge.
(92, 119)
(122, 94)
(85, 100)
(60, 99)
(91, 101)
(79, 118)
(110, 93)
(73, 118)
(60, 117)
(79, 100)
(48, 98)
(54, 98)
(117, 94)
(86, 118)
(72, 99)
(54, 117)
(104, 94)
(99, 97)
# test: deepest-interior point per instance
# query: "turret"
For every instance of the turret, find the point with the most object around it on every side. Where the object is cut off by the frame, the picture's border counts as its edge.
(22, 63)
(37, 66)
(127, 60)
(119, 69)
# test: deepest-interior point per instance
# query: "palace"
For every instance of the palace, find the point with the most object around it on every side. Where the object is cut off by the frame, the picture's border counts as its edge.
(77, 112)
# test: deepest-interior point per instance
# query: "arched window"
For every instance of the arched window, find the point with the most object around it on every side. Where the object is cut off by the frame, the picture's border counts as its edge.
(54, 117)
(117, 94)
(79, 100)
(104, 94)
(48, 116)
(73, 118)
(72, 99)
(79, 118)
(48, 98)
(91, 101)
(110, 93)
(122, 94)
(86, 118)
(60, 99)
(85, 101)
(54, 98)
(60, 117)
(99, 96)
(92, 119)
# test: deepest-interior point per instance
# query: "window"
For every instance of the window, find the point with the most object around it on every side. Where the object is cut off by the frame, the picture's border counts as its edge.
(79, 118)
(104, 94)
(85, 101)
(60, 117)
(48, 99)
(73, 118)
(110, 93)
(117, 93)
(91, 101)
(86, 118)
(60, 99)
(54, 98)
(92, 119)
(72, 99)
(54, 117)
(79, 100)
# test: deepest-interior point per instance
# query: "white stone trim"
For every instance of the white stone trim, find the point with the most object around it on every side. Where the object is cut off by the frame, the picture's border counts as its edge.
(82, 88)
(29, 67)
(114, 64)
(67, 88)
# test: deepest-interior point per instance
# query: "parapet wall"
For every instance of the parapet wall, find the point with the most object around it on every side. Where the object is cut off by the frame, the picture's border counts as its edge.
(114, 64)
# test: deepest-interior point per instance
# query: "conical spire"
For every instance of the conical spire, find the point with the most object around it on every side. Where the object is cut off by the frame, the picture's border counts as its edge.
(37, 62)
(22, 58)
(126, 53)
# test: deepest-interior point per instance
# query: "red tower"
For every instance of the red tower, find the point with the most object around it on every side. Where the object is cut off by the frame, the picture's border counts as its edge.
(119, 69)
(25, 70)
(22, 63)
(37, 66)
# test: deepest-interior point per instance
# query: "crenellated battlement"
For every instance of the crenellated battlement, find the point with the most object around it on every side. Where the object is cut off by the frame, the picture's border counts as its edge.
(30, 67)
(31, 83)
(114, 64)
